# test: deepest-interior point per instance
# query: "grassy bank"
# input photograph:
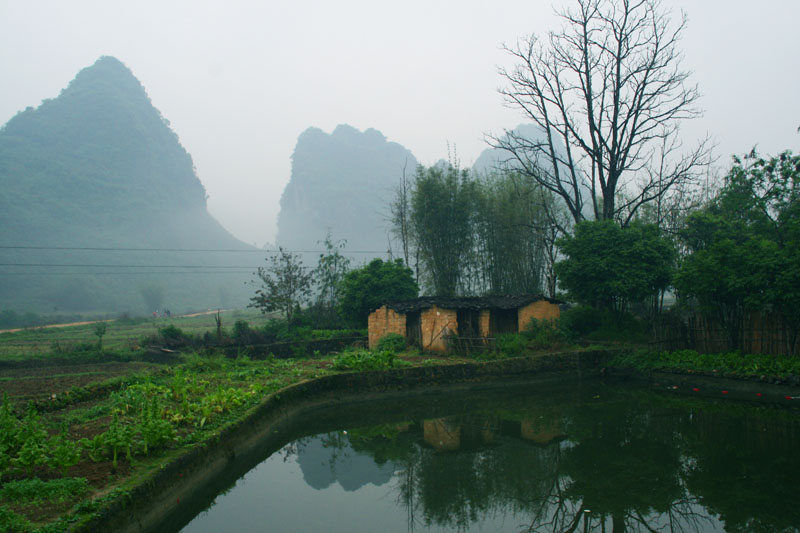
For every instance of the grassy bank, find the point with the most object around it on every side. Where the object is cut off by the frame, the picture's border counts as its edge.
(733, 364)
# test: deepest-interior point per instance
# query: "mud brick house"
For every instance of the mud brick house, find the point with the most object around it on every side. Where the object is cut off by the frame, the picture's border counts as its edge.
(427, 322)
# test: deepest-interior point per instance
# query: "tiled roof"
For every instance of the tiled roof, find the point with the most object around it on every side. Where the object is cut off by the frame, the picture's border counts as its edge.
(468, 302)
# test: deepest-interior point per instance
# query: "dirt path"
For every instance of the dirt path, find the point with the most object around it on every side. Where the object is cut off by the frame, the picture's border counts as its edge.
(209, 312)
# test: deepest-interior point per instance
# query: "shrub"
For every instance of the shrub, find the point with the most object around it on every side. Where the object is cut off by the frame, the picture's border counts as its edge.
(579, 321)
(240, 328)
(511, 343)
(391, 342)
(364, 360)
(10, 521)
(543, 333)
(174, 337)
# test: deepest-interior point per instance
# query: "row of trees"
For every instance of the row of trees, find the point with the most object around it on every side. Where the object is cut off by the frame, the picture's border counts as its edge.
(335, 293)
(473, 234)
(606, 204)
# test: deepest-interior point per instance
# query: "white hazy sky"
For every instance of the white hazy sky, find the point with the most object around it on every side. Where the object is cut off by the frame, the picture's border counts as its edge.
(240, 80)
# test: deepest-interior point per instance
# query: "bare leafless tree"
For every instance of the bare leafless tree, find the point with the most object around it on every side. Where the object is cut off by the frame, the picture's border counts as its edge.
(608, 92)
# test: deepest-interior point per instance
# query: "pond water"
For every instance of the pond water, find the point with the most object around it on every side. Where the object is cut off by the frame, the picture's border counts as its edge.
(572, 457)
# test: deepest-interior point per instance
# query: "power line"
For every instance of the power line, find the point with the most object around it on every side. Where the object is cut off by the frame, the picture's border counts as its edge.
(140, 273)
(204, 250)
(79, 265)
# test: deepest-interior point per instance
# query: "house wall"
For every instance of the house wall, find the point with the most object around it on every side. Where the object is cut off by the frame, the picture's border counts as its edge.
(541, 310)
(382, 321)
(483, 321)
(436, 323)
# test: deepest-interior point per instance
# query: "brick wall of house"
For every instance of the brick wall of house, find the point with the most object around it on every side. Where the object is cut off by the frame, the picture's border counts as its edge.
(483, 322)
(541, 310)
(441, 435)
(436, 324)
(382, 321)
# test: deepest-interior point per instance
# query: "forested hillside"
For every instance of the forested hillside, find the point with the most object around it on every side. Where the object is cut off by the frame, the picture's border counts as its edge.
(340, 183)
(99, 167)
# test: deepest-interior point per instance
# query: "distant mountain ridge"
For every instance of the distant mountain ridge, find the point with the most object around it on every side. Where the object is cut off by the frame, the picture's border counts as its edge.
(99, 166)
(342, 182)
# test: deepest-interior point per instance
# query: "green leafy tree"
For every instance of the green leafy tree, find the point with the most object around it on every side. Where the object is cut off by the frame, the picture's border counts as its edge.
(99, 331)
(510, 226)
(285, 285)
(367, 288)
(743, 248)
(442, 217)
(331, 268)
(609, 267)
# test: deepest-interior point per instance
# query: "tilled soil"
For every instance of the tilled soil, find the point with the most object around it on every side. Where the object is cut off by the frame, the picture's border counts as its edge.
(41, 382)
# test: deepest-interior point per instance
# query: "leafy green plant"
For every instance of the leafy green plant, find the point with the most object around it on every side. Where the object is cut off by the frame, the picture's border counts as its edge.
(11, 521)
(36, 490)
(511, 344)
(63, 453)
(95, 446)
(365, 360)
(118, 437)
(391, 342)
(154, 429)
(32, 440)
(543, 333)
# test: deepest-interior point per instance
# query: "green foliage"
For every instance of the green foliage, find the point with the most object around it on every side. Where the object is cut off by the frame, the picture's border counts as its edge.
(99, 331)
(510, 228)
(511, 344)
(367, 288)
(174, 337)
(579, 321)
(746, 365)
(544, 333)
(63, 453)
(442, 218)
(391, 342)
(331, 269)
(609, 267)
(11, 521)
(744, 248)
(36, 491)
(363, 360)
(241, 331)
(285, 285)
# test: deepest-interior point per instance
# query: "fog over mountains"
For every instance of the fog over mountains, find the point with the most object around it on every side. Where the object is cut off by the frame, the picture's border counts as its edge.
(99, 167)
(341, 182)
(101, 202)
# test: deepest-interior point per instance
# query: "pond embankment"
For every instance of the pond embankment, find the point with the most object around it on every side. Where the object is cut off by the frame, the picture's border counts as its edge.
(179, 488)
(187, 483)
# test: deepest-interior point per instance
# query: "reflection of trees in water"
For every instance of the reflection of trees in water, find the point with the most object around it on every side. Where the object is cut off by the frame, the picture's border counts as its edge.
(751, 492)
(630, 462)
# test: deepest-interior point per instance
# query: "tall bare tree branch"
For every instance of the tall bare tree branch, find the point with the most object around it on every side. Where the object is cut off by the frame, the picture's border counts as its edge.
(608, 93)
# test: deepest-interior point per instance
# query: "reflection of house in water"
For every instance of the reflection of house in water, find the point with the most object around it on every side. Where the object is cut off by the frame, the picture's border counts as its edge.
(451, 434)
(542, 430)
(442, 435)
(427, 322)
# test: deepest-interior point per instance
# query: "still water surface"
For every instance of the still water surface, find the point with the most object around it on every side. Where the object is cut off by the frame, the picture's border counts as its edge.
(574, 457)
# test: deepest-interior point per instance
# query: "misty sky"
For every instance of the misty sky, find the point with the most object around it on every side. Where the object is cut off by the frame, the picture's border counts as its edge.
(240, 80)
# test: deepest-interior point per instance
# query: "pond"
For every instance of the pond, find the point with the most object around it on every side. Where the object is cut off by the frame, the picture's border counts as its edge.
(572, 456)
